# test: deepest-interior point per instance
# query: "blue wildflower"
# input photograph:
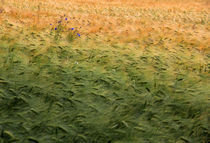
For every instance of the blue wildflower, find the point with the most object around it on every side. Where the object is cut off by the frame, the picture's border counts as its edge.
(78, 34)
(65, 18)
(56, 28)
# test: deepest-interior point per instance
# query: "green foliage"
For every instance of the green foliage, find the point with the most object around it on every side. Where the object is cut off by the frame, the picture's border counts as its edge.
(70, 37)
(108, 97)
(58, 32)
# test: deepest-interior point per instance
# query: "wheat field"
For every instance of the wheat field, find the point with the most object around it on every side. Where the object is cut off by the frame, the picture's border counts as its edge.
(104, 71)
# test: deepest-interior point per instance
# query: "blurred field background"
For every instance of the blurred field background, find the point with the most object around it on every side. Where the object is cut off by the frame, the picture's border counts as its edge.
(139, 72)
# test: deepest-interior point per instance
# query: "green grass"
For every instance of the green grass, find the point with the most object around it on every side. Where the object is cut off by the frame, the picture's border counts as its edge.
(110, 96)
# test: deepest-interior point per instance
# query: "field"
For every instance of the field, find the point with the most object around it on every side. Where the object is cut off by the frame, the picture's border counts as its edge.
(131, 71)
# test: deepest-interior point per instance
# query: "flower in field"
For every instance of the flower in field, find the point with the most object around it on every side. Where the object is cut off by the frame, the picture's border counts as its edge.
(61, 28)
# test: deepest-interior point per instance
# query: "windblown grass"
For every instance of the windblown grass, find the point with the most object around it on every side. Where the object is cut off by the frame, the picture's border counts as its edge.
(148, 87)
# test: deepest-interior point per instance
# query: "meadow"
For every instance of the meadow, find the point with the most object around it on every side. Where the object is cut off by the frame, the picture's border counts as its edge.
(130, 71)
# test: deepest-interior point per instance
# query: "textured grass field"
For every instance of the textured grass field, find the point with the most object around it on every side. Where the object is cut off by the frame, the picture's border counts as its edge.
(139, 72)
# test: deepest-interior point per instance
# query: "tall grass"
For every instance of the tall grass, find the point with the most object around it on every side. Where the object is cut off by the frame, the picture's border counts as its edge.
(148, 87)
(90, 102)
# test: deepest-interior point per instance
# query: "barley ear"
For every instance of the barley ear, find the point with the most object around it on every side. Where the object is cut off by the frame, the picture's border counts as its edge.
(38, 12)
(2, 6)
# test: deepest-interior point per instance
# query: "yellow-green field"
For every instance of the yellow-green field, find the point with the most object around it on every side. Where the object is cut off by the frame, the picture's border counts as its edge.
(138, 72)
